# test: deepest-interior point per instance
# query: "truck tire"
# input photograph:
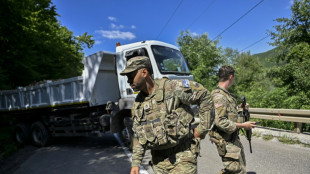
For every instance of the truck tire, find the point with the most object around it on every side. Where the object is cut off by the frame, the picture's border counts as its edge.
(40, 134)
(128, 132)
(22, 133)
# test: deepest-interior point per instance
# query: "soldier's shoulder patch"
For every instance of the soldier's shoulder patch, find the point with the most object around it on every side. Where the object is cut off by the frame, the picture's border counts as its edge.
(217, 105)
(196, 84)
(185, 83)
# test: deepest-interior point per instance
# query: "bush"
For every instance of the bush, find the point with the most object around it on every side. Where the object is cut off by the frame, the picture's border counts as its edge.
(8, 144)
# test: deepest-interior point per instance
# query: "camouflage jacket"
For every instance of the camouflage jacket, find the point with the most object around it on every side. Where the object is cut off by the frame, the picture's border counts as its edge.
(226, 114)
(177, 93)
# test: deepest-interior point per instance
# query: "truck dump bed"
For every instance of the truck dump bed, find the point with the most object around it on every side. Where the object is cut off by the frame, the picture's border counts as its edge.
(97, 85)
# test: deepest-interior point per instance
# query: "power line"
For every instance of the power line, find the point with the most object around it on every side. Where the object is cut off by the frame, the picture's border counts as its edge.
(237, 20)
(170, 18)
(254, 43)
(202, 13)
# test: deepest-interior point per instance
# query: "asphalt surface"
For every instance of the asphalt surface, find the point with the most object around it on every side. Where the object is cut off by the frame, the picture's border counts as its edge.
(268, 157)
(84, 155)
(104, 155)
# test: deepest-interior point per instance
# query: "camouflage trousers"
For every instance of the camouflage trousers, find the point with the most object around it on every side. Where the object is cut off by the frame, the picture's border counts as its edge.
(181, 159)
(234, 159)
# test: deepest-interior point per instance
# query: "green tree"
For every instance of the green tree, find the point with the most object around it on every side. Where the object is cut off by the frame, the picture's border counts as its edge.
(250, 77)
(293, 38)
(295, 29)
(34, 46)
(294, 77)
(204, 57)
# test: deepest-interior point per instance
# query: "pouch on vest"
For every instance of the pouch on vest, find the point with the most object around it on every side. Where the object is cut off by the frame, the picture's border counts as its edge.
(232, 151)
(221, 147)
(219, 141)
(149, 132)
(152, 134)
(161, 133)
(141, 135)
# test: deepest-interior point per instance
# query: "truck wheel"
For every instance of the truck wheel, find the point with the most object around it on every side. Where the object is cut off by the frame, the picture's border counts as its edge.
(40, 134)
(128, 132)
(22, 133)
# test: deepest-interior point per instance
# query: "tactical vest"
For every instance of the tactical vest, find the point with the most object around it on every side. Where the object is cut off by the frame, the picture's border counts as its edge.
(157, 127)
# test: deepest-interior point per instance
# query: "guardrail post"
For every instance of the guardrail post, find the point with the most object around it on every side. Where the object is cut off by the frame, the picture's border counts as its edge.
(298, 128)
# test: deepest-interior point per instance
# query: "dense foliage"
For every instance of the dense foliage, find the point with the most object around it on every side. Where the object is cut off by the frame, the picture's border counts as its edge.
(279, 78)
(292, 37)
(34, 46)
(203, 56)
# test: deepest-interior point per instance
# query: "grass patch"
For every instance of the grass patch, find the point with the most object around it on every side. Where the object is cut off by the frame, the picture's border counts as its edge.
(255, 134)
(306, 145)
(288, 140)
(267, 137)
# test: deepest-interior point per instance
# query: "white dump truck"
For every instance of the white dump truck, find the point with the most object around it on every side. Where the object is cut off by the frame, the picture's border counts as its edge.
(99, 101)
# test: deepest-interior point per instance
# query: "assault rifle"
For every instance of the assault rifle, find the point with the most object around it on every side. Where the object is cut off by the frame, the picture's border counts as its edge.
(246, 115)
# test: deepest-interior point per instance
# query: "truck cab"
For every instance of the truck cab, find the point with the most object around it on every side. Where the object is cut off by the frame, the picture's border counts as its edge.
(167, 61)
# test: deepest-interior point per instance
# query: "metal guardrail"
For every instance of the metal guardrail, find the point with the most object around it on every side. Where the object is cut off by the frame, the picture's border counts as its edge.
(292, 115)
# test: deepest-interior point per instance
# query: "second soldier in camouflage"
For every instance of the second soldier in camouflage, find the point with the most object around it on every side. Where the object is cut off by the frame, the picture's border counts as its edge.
(227, 124)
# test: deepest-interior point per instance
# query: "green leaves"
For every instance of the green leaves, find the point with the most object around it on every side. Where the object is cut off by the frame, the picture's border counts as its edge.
(292, 37)
(34, 46)
(295, 29)
(279, 78)
(203, 55)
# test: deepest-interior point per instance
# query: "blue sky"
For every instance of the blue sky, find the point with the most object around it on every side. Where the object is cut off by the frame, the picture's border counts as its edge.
(128, 21)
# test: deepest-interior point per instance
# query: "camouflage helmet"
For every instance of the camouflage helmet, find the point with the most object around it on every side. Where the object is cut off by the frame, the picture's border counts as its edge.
(136, 63)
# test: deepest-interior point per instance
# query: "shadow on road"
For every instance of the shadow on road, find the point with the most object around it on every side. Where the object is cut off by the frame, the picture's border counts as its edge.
(82, 155)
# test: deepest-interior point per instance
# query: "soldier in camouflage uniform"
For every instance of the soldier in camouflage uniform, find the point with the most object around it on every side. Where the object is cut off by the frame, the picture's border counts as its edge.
(162, 119)
(227, 124)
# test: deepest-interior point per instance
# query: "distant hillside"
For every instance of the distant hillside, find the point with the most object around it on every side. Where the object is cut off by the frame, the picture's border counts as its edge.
(267, 58)
(268, 53)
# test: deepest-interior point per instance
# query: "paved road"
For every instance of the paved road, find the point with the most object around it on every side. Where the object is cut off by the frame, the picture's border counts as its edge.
(104, 155)
(268, 157)
(85, 155)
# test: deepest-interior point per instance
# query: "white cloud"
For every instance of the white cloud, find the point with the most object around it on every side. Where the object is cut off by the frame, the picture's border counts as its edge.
(111, 18)
(133, 26)
(97, 42)
(116, 34)
(195, 34)
(117, 27)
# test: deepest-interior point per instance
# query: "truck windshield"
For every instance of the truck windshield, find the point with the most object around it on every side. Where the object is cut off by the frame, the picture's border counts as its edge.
(169, 60)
